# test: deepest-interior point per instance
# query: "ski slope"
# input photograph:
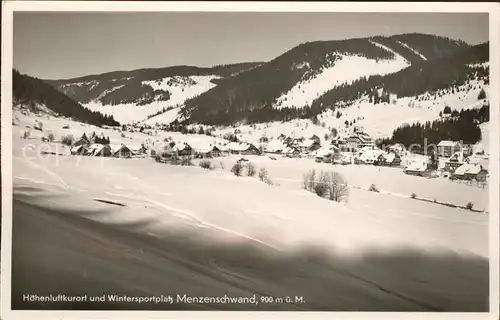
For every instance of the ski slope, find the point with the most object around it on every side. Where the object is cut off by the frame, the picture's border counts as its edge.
(413, 50)
(346, 69)
(180, 88)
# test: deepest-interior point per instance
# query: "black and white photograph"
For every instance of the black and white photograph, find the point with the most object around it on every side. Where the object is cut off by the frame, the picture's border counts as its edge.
(218, 160)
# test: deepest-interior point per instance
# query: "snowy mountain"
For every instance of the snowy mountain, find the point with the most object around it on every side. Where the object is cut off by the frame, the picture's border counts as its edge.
(294, 84)
(37, 96)
(132, 96)
(378, 83)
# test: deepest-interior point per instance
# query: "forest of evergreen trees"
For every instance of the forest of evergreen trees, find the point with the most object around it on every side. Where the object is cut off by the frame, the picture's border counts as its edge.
(463, 126)
(134, 92)
(430, 46)
(28, 90)
(251, 95)
(426, 76)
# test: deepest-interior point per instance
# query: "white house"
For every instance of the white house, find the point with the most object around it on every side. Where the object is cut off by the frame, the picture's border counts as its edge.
(447, 148)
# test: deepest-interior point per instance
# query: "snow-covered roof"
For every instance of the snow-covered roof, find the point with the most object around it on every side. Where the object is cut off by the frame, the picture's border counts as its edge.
(275, 146)
(371, 154)
(179, 146)
(207, 148)
(75, 149)
(326, 150)
(223, 148)
(459, 156)
(290, 150)
(134, 147)
(447, 143)
(96, 146)
(115, 147)
(389, 157)
(307, 143)
(469, 168)
(234, 146)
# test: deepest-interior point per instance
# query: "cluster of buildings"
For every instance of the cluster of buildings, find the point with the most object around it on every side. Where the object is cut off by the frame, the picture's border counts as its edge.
(101, 147)
(356, 147)
(293, 147)
(452, 159)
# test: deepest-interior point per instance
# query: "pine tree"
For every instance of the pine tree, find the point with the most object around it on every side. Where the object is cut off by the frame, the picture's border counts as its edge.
(482, 95)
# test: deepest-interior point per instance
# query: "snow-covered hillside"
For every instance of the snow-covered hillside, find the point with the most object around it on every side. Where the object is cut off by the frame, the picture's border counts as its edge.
(22, 118)
(179, 88)
(378, 120)
(182, 88)
(345, 70)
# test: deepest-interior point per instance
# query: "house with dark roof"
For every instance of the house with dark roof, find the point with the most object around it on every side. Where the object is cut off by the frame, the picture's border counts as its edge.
(121, 151)
(315, 138)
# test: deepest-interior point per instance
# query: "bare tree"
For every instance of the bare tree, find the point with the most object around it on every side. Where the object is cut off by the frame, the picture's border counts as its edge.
(338, 187)
(309, 179)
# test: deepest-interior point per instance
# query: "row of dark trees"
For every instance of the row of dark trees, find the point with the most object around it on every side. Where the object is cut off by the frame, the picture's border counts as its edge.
(29, 90)
(134, 92)
(463, 127)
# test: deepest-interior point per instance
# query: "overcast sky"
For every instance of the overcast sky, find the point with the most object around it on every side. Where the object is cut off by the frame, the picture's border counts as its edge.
(66, 45)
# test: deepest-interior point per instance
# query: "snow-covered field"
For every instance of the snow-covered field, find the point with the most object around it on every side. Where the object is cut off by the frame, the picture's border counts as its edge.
(345, 70)
(180, 88)
(283, 215)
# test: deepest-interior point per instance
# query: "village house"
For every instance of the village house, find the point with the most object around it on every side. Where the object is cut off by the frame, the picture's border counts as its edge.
(138, 149)
(355, 141)
(368, 155)
(234, 147)
(121, 151)
(291, 152)
(78, 150)
(206, 152)
(309, 146)
(467, 150)
(397, 148)
(447, 148)
(455, 161)
(224, 150)
(315, 138)
(389, 159)
(418, 169)
(470, 171)
(83, 141)
(183, 149)
(275, 146)
(99, 150)
(326, 153)
(243, 148)
(249, 149)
